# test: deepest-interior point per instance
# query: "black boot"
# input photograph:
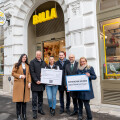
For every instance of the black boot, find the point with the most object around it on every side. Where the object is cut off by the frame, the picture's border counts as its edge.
(34, 114)
(53, 112)
(24, 117)
(40, 110)
(19, 117)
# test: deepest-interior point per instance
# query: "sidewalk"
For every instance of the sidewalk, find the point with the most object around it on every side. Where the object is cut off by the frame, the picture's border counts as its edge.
(7, 112)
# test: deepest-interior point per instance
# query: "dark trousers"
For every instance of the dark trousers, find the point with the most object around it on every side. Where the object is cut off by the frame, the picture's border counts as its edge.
(20, 105)
(75, 103)
(61, 97)
(87, 108)
(37, 100)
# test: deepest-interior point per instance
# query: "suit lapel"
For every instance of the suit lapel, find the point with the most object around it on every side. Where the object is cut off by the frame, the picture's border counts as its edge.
(74, 68)
(69, 68)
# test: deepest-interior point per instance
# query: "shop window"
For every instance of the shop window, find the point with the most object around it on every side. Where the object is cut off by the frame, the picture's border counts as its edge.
(110, 49)
(105, 4)
(1, 60)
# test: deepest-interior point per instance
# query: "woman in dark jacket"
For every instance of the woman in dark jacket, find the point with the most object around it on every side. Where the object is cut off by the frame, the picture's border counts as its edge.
(85, 96)
(52, 89)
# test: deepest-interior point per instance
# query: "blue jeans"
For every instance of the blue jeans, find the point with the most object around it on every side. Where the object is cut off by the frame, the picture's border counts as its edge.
(51, 94)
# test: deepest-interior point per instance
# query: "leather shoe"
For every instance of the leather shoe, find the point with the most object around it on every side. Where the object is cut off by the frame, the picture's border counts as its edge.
(24, 117)
(34, 114)
(79, 117)
(74, 113)
(61, 111)
(19, 117)
(68, 111)
(41, 112)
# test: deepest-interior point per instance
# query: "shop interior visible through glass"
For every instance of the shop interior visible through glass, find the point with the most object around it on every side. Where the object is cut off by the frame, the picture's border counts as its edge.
(52, 48)
(110, 48)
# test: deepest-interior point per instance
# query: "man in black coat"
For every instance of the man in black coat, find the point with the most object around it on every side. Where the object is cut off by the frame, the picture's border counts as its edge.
(62, 62)
(71, 69)
(36, 87)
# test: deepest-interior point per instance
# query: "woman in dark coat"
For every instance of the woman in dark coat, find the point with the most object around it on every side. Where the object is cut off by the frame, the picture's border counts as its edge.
(85, 96)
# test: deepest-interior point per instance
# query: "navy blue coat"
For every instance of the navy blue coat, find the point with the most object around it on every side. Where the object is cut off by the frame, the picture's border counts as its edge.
(87, 95)
(63, 86)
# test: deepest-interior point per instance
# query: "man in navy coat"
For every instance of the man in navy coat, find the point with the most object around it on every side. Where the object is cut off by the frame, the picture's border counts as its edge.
(62, 62)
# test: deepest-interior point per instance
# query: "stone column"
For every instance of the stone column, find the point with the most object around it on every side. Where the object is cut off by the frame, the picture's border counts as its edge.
(81, 36)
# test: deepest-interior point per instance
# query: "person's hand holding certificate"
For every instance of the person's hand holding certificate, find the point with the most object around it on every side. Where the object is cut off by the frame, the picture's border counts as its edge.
(51, 76)
(78, 83)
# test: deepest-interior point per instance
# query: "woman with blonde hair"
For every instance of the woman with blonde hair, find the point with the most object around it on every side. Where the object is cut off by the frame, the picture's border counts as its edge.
(85, 96)
(22, 85)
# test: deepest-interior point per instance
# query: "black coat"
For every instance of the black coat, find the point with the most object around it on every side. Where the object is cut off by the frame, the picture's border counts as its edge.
(87, 95)
(62, 87)
(73, 72)
(54, 67)
(35, 71)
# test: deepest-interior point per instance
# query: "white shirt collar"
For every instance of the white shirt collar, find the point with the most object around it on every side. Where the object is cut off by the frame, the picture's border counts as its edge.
(73, 63)
(23, 65)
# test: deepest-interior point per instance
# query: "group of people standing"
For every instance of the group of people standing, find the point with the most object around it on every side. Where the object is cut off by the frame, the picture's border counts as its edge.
(28, 76)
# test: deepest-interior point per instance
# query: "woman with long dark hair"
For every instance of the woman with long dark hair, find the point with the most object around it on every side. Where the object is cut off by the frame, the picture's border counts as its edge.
(22, 85)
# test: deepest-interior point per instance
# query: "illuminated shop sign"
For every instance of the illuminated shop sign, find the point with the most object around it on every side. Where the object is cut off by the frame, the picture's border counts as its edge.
(2, 18)
(45, 16)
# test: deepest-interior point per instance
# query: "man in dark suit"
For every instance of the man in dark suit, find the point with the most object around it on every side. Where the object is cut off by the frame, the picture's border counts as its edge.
(71, 69)
(37, 88)
(62, 62)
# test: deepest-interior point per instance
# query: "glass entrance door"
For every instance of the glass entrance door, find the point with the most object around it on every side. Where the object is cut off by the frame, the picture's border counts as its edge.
(52, 48)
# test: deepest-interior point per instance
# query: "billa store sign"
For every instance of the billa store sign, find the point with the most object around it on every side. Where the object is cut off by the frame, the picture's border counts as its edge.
(2, 18)
(45, 16)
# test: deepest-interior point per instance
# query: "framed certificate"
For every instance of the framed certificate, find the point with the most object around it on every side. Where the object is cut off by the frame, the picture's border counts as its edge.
(51, 76)
(77, 83)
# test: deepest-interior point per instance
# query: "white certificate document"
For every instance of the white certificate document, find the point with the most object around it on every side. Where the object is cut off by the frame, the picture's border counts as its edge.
(51, 76)
(78, 83)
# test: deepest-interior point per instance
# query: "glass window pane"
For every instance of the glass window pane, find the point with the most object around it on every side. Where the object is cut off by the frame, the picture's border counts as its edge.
(105, 4)
(110, 48)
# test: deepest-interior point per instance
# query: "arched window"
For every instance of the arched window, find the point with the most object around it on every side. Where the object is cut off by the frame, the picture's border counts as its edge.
(105, 4)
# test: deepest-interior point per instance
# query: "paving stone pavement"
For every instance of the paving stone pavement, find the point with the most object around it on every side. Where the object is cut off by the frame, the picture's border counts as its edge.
(7, 112)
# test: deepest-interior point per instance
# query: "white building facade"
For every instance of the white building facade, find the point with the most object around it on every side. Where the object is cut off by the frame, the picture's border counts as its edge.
(80, 34)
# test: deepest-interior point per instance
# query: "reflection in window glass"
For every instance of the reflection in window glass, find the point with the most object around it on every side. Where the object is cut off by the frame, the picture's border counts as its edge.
(110, 48)
(105, 4)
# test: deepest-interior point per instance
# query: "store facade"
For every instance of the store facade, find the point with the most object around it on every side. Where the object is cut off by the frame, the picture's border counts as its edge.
(74, 30)
(108, 19)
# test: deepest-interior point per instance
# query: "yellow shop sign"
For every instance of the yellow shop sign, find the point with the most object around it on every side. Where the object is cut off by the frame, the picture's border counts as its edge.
(2, 18)
(45, 16)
